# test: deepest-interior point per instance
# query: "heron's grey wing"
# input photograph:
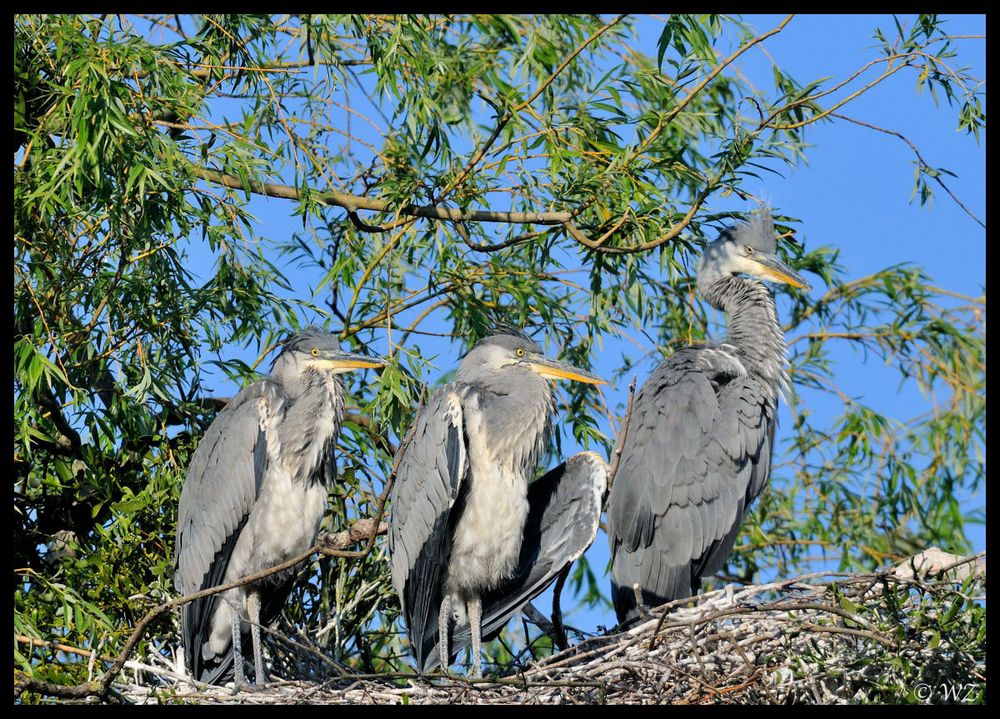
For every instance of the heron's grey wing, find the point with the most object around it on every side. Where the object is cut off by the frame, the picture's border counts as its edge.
(563, 518)
(222, 483)
(755, 408)
(429, 475)
(691, 463)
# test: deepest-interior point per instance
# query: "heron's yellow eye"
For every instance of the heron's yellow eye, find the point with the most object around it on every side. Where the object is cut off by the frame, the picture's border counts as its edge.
(314, 352)
(519, 352)
(749, 249)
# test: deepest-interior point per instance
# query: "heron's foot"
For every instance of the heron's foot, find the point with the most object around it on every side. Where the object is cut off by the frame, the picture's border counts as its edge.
(476, 670)
(246, 686)
(640, 603)
(239, 682)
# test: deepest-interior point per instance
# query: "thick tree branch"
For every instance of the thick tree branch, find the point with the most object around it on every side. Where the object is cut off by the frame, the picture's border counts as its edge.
(353, 203)
(334, 544)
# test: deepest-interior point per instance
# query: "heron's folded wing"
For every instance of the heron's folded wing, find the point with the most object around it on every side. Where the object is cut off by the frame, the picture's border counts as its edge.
(222, 483)
(429, 475)
(689, 462)
(744, 452)
(563, 517)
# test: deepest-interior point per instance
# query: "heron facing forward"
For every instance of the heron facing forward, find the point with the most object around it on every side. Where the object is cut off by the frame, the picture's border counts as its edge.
(698, 450)
(254, 497)
(471, 541)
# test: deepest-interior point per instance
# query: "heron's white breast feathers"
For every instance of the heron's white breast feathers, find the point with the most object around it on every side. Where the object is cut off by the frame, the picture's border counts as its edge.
(285, 517)
(487, 538)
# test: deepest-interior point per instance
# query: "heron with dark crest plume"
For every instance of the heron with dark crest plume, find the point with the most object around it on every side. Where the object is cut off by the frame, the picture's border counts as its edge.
(254, 497)
(698, 449)
(472, 537)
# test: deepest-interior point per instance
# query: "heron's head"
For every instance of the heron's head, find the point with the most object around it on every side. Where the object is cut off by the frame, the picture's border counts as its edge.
(316, 349)
(504, 356)
(749, 248)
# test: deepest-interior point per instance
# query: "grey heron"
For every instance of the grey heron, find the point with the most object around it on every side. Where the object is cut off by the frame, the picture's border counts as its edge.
(698, 449)
(472, 539)
(254, 497)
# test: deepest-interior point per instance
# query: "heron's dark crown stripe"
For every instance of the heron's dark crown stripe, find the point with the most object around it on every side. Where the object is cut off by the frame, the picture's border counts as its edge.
(757, 231)
(505, 329)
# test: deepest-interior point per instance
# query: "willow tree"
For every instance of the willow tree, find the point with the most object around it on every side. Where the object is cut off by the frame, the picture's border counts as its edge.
(434, 175)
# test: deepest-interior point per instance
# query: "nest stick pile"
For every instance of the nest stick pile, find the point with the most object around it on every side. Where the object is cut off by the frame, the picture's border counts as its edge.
(820, 638)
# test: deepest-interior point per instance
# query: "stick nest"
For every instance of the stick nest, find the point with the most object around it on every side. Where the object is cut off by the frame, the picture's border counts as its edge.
(892, 636)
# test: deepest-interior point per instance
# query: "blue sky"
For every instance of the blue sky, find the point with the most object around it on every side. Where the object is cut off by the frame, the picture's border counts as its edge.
(854, 194)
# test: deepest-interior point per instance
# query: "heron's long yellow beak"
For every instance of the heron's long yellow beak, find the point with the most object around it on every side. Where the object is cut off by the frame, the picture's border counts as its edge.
(346, 361)
(771, 268)
(553, 369)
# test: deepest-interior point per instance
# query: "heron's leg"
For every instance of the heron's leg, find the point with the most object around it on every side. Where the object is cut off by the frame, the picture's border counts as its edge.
(474, 607)
(253, 610)
(239, 678)
(444, 619)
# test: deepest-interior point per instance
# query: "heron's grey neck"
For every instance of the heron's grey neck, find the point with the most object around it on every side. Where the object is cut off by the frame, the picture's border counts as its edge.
(752, 325)
(311, 419)
(518, 421)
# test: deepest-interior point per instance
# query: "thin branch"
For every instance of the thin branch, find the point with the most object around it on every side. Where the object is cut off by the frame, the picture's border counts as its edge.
(21, 639)
(506, 118)
(707, 79)
(567, 61)
(616, 456)
(364, 226)
(532, 614)
(463, 232)
(377, 519)
(596, 244)
(920, 159)
(364, 421)
(557, 619)
(673, 232)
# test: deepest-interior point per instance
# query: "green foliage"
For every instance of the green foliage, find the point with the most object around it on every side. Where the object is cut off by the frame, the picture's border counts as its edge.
(936, 653)
(144, 146)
